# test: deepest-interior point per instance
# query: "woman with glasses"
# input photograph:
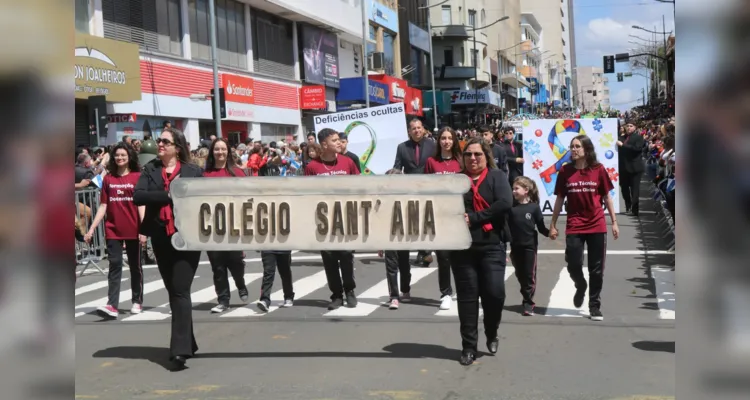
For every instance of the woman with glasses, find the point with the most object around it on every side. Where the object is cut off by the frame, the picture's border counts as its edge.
(479, 271)
(177, 268)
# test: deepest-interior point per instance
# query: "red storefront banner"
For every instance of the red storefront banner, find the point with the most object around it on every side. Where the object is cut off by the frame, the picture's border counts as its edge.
(312, 97)
(238, 89)
(414, 102)
(397, 87)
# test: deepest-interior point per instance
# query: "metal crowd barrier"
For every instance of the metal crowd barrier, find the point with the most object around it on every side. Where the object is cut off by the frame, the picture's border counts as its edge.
(88, 254)
(665, 216)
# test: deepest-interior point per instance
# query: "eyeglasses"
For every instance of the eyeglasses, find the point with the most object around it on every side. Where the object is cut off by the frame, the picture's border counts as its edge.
(478, 154)
(165, 142)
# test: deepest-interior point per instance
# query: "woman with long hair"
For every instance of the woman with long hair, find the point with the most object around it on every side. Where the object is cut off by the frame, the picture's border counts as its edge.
(586, 185)
(123, 220)
(479, 271)
(446, 160)
(177, 268)
(221, 162)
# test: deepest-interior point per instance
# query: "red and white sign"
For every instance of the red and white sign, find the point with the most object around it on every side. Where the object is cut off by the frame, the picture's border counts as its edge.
(115, 118)
(413, 102)
(398, 87)
(312, 97)
(238, 89)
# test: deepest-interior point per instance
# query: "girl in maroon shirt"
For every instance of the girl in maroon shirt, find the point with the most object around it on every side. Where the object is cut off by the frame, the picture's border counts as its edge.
(221, 163)
(446, 160)
(123, 220)
(586, 185)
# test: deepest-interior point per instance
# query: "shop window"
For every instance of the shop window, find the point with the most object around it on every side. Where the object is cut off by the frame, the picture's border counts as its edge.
(230, 32)
(390, 55)
(272, 45)
(152, 24)
(82, 15)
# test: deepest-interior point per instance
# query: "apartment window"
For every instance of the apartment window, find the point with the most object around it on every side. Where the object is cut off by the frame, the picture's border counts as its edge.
(230, 32)
(82, 15)
(562, 26)
(272, 45)
(474, 57)
(152, 24)
(447, 20)
(389, 53)
(417, 61)
(371, 44)
(448, 56)
(563, 41)
(562, 13)
(483, 18)
(473, 18)
(564, 56)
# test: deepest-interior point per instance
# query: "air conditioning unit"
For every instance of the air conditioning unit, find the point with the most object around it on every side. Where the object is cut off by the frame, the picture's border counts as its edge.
(376, 61)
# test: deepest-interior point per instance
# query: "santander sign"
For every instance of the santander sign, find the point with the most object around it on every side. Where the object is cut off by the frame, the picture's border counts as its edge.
(239, 89)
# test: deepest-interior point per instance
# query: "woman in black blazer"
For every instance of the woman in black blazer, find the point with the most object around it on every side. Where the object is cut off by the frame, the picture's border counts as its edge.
(479, 271)
(177, 268)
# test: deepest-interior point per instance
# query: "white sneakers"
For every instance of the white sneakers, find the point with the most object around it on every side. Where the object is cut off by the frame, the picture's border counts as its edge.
(445, 302)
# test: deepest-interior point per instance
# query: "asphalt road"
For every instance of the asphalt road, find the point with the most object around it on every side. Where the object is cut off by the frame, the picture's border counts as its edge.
(371, 352)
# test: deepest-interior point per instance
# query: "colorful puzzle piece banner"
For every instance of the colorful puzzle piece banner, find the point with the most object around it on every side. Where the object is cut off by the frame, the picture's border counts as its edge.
(545, 151)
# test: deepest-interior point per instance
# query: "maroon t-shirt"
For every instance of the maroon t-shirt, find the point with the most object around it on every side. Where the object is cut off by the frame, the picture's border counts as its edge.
(342, 166)
(222, 173)
(585, 190)
(434, 166)
(122, 214)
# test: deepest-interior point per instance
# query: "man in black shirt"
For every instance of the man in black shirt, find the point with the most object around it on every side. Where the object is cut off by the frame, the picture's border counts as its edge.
(514, 154)
(344, 141)
(498, 152)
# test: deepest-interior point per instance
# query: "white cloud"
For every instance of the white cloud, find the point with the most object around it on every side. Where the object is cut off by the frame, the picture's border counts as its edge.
(622, 97)
(609, 36)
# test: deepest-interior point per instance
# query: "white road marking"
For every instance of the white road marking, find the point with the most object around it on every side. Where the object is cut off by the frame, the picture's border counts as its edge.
(379, 293)
(302, 288)
(561, 299)
(453, 312)
(664, 282)
(95, 286)
(125, 294)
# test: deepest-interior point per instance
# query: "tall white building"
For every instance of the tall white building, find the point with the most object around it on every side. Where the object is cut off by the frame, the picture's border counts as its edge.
(593, 89)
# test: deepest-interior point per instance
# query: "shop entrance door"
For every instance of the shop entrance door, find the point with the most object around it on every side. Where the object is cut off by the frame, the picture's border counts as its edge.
(234, 138)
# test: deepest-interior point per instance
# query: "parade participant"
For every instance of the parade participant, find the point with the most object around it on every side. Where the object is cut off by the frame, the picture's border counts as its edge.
(514, 155)
(411, 157)
(446, 160)
(397, 262)
(344, 140)
(123, 219)
(586, 185)
(177, 268)
(498, 151)
(331, 162)
(524, 221)
(631, 166)
(480, 270)
(220, 162)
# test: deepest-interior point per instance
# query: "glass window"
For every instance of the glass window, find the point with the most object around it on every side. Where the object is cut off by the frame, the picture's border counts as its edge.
(230, 32)
(272, 44)
(152, 24)
(448, 56)
(390, 54)
(447, 20)
(474, 56)
(473, 18)
(82, 15)
(417, 64)
(371, 45)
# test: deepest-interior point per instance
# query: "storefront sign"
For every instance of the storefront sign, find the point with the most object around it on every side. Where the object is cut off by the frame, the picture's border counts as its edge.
(383, 16)
(105, 67)
(320, 52)
(238, 89)
(414, 102)
(312, 97)
(389, 212)
(352, 91)
(115, 118)
(419, 38)
(397, 86)
(482, 96)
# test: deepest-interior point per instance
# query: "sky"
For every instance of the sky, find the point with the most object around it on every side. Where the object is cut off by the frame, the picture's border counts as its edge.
(602, 28)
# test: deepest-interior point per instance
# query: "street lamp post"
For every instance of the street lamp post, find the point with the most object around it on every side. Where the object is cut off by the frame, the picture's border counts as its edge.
(475, 57)
(432, 64)
(365, 67)
(217, 106)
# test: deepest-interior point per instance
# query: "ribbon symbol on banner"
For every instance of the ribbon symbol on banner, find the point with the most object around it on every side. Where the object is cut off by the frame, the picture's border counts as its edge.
(549, 176)
(364, 159)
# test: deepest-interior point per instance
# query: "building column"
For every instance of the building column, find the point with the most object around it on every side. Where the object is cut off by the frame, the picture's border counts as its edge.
(295, 48)
(96, 19)
(249, 38)
(192, 133)
(185, 23)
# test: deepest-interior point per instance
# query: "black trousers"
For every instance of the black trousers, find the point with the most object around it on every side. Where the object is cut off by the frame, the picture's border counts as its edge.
(272, 260)
(444, 273)
(114, 256)
(597, 247)
(479, 273)
(524, 261)
(222, 263)
(630, 184)
(333, 261)
(397, 262)
(177, 269)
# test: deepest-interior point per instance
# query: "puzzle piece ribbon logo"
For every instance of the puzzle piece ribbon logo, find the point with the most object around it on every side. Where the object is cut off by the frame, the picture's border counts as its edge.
(364, 159)
(549, 176)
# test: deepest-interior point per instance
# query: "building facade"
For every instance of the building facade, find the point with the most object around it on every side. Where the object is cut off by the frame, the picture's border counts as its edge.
(593, 89)
(415, 46)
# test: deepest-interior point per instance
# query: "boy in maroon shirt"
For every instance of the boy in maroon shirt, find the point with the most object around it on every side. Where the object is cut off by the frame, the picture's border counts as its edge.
(331, 162)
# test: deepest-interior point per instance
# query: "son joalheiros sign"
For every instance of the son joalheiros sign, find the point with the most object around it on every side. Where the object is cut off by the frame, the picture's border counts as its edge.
(393, 212)
(105, 67)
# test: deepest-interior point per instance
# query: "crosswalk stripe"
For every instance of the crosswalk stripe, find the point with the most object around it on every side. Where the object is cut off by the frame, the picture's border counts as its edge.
(95, 286)
(378, 292)
(202, 296)
(302, 288)
(453, 312)
(125, 294)
(664, 282)
(561, 299)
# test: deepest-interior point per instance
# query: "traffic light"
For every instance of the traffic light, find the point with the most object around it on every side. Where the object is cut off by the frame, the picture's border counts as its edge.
(619, 77)
(222, 104)
(609, 64)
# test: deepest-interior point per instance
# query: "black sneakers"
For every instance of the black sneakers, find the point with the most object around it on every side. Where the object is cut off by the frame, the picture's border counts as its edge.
(467, 357)
(335, 304)
(579, 296)
(351, 299)
(596, 314)
(493, 344)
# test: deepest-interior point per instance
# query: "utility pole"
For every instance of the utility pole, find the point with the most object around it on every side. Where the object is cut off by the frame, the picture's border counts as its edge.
(212, 26)
(476, 67)
(365, 58)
